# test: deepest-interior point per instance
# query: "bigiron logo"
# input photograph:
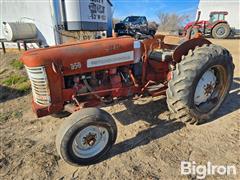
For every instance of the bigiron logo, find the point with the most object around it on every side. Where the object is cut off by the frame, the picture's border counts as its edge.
(201, 171)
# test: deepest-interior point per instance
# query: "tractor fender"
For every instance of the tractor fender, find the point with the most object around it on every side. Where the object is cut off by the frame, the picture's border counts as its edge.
(184, 47)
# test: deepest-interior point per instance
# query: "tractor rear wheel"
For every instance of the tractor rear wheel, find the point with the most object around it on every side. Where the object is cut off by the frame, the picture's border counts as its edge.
(200, 83)
(221, 31)
(86, 136)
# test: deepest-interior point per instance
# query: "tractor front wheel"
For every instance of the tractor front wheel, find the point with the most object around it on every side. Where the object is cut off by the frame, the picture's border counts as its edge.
(86, 136)
(200, 83)
(221, 31)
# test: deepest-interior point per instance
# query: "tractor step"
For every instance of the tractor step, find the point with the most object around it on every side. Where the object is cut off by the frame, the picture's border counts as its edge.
(155, 87)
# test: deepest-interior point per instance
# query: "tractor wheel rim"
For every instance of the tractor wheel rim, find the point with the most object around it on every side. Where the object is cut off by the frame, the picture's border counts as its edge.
(90, 141)
(220, 31)
(205, 87)
(210, 88)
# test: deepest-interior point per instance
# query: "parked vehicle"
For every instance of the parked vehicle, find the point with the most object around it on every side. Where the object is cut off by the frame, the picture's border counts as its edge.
(134, 26)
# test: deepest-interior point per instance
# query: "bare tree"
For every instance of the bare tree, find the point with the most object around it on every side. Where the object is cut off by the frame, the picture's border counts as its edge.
(153, 25)
(170, 21)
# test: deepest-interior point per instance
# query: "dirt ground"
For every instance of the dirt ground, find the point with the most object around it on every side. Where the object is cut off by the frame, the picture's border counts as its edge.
(149, 145)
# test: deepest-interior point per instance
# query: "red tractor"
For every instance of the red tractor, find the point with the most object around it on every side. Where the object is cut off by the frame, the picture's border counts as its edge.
(216, 26)
(194, 74)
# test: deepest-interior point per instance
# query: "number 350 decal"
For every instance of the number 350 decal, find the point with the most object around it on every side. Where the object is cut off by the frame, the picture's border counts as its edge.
(76, 65)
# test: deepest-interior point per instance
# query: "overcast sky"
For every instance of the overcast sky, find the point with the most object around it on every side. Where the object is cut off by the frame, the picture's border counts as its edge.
(150, 8)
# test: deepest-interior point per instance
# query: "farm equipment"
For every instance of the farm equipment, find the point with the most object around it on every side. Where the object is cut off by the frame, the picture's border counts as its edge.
(194, 74)
(216, 26)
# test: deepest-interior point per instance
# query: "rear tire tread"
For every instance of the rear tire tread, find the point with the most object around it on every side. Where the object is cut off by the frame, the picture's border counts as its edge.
(182, 77)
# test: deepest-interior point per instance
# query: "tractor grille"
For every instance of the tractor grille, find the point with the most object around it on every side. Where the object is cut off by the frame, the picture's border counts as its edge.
(39, 82)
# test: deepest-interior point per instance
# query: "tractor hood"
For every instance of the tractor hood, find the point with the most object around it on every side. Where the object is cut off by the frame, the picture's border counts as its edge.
(188, 25)
(83, 56)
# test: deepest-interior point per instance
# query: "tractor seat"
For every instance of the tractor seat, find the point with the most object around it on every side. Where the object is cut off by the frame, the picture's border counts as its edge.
(161, 56)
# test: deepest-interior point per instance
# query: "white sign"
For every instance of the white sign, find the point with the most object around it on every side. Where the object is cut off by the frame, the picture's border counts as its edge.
(111, 59)
(94, 10)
